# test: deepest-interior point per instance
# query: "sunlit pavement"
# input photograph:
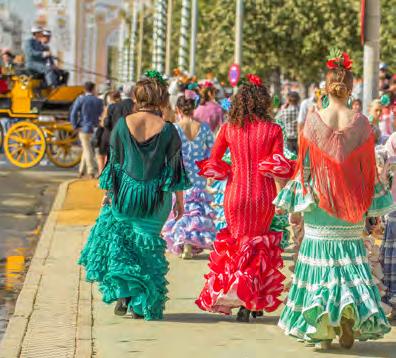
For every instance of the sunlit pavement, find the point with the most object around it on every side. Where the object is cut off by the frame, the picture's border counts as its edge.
(26, 197)
(60, 315)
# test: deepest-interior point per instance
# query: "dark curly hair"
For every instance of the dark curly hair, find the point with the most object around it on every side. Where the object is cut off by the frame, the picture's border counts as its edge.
(186, 106)
(251, 103)
(150, 93)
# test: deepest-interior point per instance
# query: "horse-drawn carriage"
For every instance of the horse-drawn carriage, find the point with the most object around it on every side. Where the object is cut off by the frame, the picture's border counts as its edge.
(37, 122)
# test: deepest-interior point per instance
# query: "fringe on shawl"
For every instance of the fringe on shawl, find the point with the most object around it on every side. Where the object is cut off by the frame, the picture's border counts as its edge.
(345, 189)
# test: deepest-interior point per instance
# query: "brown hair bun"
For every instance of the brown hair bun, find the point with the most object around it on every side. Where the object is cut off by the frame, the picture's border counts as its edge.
(185, 105)
(339, 83)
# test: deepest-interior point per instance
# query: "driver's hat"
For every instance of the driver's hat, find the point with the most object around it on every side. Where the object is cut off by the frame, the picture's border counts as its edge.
(36, 30)
(47, 32)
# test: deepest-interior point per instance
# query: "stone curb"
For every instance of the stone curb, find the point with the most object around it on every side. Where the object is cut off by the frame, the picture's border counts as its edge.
(11, 345)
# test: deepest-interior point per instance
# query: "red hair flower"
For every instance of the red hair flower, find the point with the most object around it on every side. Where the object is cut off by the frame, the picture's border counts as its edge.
(333, 63)
(338, 59)
(208, 84)
(347, 62)
(254, 79)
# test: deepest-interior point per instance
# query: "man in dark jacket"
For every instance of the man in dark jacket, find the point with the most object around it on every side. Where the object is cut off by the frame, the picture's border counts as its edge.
(84, 117)
(120, 109)
(37, 55)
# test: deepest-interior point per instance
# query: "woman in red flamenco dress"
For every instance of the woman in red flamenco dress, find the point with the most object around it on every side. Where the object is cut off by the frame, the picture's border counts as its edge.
(246, 260)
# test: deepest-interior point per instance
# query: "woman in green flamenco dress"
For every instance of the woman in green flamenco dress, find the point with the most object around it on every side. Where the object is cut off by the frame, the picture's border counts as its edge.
(336, 188)
(125, 252)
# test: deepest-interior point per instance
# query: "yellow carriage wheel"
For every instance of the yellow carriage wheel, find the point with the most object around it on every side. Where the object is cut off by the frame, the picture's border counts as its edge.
(1, 136)
(63, 148)
(24, 145)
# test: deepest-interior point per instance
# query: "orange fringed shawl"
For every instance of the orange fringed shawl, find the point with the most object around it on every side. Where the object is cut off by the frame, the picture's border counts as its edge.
(342, 166)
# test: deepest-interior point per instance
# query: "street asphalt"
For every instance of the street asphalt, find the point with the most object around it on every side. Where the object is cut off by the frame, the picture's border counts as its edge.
(26, 197)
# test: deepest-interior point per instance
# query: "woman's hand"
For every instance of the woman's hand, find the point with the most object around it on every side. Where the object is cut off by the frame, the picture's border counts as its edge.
(178, 209)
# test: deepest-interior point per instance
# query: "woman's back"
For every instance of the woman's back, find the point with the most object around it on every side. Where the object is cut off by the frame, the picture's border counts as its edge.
(197, 141)
(249, 145)
(144, 125)
(340, 153)
(339, 118)
(249, 193)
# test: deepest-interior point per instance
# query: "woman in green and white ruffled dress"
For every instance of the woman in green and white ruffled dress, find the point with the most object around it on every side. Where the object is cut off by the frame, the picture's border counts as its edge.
(333, 292)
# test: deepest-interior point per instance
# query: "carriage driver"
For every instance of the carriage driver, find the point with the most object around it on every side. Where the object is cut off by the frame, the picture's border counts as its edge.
(62, 75)
(37, 57)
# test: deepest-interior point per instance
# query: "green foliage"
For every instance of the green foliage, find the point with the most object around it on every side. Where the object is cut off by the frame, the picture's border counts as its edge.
(292, 37)
(388, 33)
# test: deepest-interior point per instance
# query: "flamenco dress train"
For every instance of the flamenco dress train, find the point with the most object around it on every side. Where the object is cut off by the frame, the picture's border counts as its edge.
(246, 260)
(332, 278)
(125, 253)
(196, 227)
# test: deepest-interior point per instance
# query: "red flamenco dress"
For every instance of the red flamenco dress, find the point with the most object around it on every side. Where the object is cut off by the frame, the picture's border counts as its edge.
(246, 260)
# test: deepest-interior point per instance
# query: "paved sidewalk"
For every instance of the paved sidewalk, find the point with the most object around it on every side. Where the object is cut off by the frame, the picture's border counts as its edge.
(59, 315)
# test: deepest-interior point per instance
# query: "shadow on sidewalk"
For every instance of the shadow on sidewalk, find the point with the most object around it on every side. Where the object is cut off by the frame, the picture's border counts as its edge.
(210, 318)
(374, 349)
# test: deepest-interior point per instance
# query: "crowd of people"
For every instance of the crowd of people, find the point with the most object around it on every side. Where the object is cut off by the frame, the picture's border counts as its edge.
(187, 167)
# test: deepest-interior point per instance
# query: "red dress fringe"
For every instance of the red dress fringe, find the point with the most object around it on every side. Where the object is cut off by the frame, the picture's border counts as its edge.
(344, 189)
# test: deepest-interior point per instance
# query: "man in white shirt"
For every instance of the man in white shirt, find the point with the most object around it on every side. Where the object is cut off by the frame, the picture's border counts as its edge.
(305, 107)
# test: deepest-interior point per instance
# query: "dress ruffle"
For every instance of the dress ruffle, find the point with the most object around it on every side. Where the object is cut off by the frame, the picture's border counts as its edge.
(280, 223)
(243, 272)
(277, 165)
(196, 227)
(293, 199)
(209, 168)
(217, 190)
(382, 203)
(126, 263)
(325, 289)
(141, 198)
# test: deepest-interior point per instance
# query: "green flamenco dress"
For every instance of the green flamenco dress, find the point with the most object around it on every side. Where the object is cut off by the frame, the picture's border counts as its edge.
(332, 278)
(125, 253)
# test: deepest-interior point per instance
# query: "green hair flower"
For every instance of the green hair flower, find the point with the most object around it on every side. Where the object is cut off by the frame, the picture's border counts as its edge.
(155, 75)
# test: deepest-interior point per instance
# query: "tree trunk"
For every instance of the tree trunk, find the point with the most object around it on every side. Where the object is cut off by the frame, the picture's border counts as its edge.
(276, 80)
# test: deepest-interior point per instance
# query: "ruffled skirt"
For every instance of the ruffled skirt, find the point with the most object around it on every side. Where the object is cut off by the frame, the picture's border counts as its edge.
(196, 227)
(245, 272)
(217, 189)
(332, 279)
(126, 256)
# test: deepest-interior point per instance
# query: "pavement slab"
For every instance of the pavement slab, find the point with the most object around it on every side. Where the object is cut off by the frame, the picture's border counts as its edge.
(58, 314)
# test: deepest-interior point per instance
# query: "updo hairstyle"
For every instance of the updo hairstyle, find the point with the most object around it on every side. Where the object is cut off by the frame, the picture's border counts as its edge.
(150, 93)
(339, 83)
(185, 105)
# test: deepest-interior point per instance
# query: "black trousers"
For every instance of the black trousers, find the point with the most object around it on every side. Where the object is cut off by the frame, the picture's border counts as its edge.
(292, 145)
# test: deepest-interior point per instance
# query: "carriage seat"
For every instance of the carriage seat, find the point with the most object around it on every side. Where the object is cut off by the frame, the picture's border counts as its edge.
(31, 73)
